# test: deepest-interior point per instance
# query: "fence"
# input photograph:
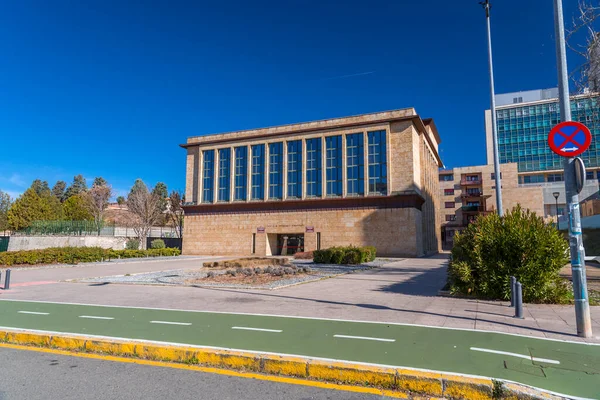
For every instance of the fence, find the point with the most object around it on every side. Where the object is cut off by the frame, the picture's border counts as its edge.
(169, 242)
(4, 243)
(89, 228)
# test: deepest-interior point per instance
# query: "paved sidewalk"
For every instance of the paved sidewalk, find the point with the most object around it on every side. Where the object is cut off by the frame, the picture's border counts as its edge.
(401, 292)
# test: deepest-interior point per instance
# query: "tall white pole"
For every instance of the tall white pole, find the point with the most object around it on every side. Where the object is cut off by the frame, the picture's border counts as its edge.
(582, 307)
(497, 173)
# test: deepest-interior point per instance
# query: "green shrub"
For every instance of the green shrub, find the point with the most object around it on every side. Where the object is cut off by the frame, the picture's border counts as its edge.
(75, 255)
(354, 255)
(493, 248)
(371, 252)
(337, 255)
(157, 244)
(132, 244)
(322, 256)
(344, 255)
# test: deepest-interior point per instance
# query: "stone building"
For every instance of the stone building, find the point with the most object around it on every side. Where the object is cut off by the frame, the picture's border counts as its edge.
(467, 192)
(369, 179)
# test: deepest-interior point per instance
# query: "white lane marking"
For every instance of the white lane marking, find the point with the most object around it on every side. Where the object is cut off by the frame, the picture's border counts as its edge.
(171, 323)
(526, 357)
(447, 328)
(94, 317)
(33, 312)
(245, 328)
(364, 338)
(437, 371)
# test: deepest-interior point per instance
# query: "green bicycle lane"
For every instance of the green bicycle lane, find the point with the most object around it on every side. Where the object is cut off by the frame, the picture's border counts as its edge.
(569, 368)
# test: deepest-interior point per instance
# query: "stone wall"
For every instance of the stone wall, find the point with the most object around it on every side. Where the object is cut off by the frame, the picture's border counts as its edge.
(17, 243)
(393, 231)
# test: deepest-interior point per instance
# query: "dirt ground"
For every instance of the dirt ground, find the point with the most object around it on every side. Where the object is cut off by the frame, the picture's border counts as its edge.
(260, 279)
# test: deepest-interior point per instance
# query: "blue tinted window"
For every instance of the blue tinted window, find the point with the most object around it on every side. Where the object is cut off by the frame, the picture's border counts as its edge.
(208, 176)
(333, 165)
(313, 167)
(241, 173)
(355, 164)
(258, 172)
(294, 171)
(224, 174)
(276, 171)
(377, 162)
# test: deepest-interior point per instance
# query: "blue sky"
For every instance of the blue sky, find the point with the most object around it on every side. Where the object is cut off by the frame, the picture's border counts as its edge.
(110, 88)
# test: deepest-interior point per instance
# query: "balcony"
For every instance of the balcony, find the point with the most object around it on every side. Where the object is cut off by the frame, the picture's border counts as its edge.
(475, 194)
(473, 209)
(470, 182)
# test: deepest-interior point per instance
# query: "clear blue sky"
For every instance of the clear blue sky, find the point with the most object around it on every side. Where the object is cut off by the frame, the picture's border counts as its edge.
(110, 88)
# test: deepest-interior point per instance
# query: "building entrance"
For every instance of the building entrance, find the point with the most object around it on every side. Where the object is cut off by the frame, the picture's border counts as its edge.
(288, 244)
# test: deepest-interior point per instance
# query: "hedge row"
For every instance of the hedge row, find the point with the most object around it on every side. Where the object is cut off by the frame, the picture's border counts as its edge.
(345, 255)
(75, 255)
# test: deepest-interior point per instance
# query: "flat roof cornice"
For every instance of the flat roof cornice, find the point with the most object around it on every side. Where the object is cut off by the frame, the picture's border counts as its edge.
(332, 123)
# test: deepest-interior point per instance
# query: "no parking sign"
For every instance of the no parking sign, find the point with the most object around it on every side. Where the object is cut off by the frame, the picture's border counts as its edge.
(569, 139)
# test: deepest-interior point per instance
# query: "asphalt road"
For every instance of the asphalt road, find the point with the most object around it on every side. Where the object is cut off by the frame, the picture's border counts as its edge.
(35, 375)
(562, 367)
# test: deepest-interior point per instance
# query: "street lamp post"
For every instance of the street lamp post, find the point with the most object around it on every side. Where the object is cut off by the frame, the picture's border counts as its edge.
(556, 194)
(486, 5)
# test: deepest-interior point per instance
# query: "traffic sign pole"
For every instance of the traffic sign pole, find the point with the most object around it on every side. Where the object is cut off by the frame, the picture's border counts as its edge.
(582, 307)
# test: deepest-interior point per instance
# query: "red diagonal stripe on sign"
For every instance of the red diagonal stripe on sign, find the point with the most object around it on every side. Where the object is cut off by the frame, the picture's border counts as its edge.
(569, 138)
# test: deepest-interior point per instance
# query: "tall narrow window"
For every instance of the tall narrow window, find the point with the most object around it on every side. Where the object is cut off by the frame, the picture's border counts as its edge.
(333, 165)
(241, 173)
(313, 168)
(355, 160)
(208, 176)
(276, 171)
(377, 162)
(294, 169)
(258, 172)
(224, 174)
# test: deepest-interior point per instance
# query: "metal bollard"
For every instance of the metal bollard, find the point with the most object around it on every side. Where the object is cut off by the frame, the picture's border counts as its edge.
(518, 300)
(513, 282)
(7, 280)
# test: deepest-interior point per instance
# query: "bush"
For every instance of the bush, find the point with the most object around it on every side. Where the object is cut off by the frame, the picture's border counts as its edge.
(371, 252)
(75, 255)
(132, 244)
(157, 244)
(345, 255)
(493, 248)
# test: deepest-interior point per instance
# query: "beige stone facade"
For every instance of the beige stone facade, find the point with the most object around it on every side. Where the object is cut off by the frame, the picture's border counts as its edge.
(398, 211)
(467, 192)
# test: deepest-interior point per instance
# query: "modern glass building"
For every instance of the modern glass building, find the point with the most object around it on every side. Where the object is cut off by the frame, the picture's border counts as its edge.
(364, 180)
(524, 121)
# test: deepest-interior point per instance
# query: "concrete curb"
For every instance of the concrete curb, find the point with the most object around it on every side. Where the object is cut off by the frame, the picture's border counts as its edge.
(412, 383)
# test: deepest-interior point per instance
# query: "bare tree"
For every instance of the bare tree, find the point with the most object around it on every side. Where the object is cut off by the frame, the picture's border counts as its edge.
(145, 207)
(583, 39)
(175, 211)
(97, 199)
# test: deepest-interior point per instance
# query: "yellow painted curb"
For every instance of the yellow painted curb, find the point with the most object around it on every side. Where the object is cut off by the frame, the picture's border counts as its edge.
(402, 383)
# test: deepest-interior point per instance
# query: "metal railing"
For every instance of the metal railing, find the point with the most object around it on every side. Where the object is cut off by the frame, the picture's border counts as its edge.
(89, 228)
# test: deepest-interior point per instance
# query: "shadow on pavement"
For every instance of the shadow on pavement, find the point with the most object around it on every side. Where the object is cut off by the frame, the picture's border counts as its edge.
(382, 307)
(427, 283)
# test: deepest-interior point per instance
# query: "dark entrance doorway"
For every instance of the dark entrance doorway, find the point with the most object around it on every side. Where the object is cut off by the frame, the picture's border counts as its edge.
(288, 244)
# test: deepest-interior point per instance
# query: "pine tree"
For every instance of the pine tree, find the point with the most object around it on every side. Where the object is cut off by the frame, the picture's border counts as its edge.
(100, 181)
(59, 190)
(31, 207)
(40, 186)
(79, 185)
(160, 190)
(75, 208)
(5, 202)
